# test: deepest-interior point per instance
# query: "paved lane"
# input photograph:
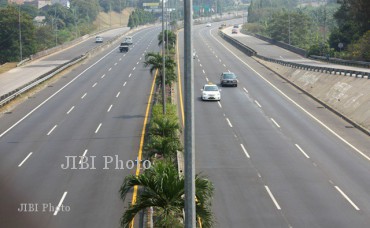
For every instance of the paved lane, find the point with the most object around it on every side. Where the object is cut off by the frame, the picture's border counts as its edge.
(100, 113)
(273, 164)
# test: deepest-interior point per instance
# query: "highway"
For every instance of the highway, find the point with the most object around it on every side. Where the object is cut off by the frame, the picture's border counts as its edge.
(276, 157)
(21, 75)
(95, 109)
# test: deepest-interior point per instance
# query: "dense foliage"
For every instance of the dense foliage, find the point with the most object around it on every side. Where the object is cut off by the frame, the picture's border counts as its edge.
(140, 17)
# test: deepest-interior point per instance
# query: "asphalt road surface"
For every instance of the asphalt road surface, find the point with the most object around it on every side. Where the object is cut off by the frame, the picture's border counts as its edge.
(21, 75)
(97, 109)
(276, 158)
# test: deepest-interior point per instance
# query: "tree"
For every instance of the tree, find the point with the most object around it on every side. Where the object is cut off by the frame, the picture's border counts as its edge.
(171, 38)
(162, 188)
(9, 35)
(154, 60)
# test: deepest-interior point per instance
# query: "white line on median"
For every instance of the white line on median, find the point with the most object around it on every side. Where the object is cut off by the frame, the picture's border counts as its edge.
(245, 151)
(272, 197)
(224, 65)
(103, 76)
(115, 64)
(124, 84)
(228, 121)
(83, 155)
(304, 153)
(70, 110)
(275, 123)
(60, 203)
(118, 94)
(110, 69)
(94, 84)
(129, 75)
(97, 129)
(120, 59)
(110, 107)
(137, 63)
(200, 64)
(51, 130)
(83, 96)
(258, 104)
(20, 164)
(204, 72)
(347, 198)
(134, 68)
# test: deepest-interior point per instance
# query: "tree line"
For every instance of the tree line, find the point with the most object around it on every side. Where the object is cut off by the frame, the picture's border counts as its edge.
(319, 29)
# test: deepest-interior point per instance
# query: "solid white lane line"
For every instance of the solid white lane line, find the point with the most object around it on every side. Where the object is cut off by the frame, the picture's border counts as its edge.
(97, 129)
(83, 155)
(245, 151)
(129, 75)
(207, 79)
(118, 94)
(245, 90)
(103, 76)
(124, 84)
(219, 104)
(347, 198)
(60, 203)
(228, 121)
(258, 104)
(110, 107)
(70, 110)
(134, 68)
(94, 84)
(275, 123)
(300, 149)
(83, 96)
(58, 91)
(204, 72)
(20, 164)
(51, 130)
(115, 64)
(272, 197)
(110, 69)
(296, 104)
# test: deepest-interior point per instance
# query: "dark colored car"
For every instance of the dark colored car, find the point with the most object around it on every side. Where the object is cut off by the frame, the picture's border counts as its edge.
(123, 47)
(228, 79)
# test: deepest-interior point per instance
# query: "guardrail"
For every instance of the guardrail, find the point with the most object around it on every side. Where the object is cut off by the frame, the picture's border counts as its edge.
(4, 99)
(341, 61)
(249, 51)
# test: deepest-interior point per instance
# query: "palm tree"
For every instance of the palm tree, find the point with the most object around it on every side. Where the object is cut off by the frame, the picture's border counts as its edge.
(154, 60)
(165, 146)
(163, 189)
(171, 38)
(164, 126)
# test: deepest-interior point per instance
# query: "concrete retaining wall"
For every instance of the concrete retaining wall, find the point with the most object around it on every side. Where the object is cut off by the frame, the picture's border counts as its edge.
(348, 96)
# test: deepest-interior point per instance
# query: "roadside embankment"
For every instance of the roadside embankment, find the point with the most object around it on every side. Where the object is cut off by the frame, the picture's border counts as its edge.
(347, 96)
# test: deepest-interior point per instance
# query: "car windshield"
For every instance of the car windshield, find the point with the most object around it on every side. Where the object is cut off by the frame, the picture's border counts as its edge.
(210, 88)
(229, 76)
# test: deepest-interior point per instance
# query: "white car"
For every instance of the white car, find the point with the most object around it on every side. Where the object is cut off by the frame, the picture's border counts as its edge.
(209, 25)
(211, 92)
(98, 39)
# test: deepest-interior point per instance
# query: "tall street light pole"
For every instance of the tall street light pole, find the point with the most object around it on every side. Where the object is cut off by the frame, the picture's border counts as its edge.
(163, 64)
(20, 32)
(190, 213)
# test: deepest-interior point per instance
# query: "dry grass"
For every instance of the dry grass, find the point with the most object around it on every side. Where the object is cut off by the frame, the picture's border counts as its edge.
(113, 19)
(7, 66)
